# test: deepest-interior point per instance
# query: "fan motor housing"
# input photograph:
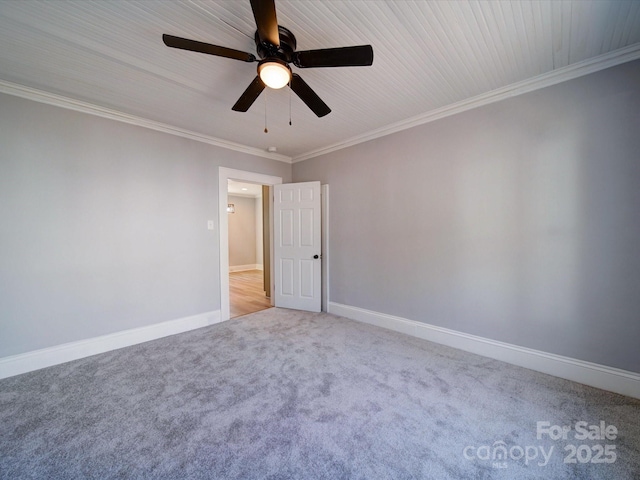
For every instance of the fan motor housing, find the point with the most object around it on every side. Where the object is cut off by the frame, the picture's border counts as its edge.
(284, 51)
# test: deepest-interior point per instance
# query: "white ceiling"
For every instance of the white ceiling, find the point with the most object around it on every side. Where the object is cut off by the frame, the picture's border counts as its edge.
(428, 56)
(244, 189)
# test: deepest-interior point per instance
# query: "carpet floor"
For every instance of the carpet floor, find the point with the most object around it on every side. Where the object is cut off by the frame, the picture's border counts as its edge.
(283, 394)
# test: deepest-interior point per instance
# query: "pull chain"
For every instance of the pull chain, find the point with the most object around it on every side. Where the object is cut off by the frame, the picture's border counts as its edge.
(266, 130)
(289, 102)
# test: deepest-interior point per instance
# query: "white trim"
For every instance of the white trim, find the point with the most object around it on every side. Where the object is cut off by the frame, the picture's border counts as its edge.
(244, 268)
(224, 175)
(570, 72)
(85, 107)
(324, 232)
(46, 357)
(600, 376)
(559, 75)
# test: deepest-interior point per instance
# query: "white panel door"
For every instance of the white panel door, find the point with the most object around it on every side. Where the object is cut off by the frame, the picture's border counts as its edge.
(296, 222)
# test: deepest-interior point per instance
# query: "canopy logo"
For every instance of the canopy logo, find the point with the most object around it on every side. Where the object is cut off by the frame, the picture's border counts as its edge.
(499, 453)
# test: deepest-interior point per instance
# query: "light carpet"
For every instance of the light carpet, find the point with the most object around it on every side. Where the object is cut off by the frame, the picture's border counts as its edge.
(283, 394)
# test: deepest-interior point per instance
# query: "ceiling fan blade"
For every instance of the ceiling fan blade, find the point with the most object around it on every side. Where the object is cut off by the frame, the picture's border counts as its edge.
(249, 96)
(359, 56)
(264, 11)
(308, 96)
(195, 46)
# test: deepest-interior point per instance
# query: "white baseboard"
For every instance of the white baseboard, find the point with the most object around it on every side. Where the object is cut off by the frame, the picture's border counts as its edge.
(244, 268)
(46, 357)
(593, 374)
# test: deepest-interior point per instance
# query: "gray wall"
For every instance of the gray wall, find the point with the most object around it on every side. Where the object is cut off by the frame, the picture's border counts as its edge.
(517, 221)
(242, 231)
(103, 225)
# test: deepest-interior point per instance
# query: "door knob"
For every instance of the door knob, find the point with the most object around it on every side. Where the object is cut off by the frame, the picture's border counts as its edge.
(316, 256)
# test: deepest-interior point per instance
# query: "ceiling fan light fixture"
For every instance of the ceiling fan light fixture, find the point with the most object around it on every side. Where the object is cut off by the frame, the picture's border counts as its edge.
(276, 46)
(274, 73)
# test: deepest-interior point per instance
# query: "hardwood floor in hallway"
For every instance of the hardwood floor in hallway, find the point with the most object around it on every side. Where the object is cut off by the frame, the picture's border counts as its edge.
(246, 294)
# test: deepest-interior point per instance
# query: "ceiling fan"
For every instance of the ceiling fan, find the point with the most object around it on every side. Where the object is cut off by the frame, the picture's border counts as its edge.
(276, 48)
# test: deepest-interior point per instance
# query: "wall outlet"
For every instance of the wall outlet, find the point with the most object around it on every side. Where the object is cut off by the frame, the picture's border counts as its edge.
(209, 224)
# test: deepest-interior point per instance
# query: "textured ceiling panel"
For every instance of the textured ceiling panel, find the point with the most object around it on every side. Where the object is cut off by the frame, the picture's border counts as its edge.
(427, 55)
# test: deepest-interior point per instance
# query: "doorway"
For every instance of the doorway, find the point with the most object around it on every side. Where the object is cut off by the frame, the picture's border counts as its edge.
(249, 264)
(226, 174)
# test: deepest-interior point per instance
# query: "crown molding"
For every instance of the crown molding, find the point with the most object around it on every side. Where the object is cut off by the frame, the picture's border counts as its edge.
(85, 107)
(554, 77)
(570, 72)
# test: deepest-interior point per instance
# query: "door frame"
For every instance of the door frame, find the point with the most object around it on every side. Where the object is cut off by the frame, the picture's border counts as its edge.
(224, 175)
(324, 244)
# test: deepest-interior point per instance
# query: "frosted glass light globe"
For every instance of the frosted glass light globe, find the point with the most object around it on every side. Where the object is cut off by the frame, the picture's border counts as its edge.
(274, 74)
